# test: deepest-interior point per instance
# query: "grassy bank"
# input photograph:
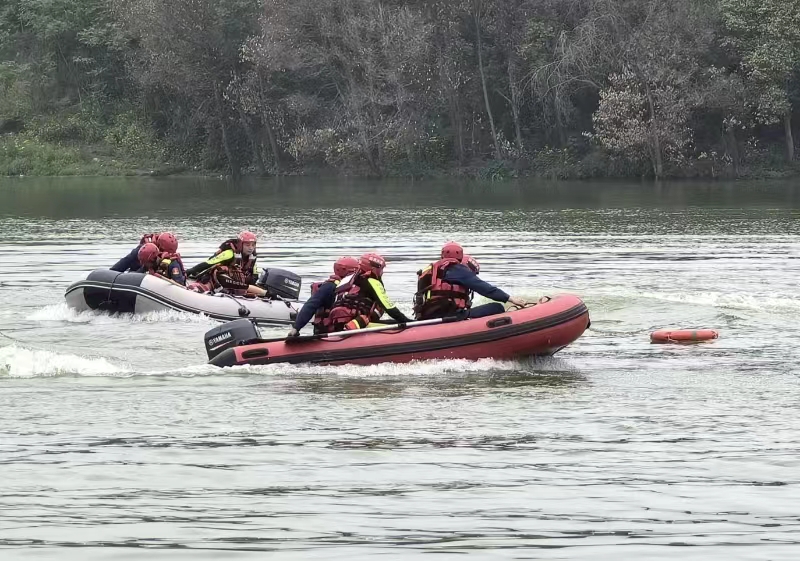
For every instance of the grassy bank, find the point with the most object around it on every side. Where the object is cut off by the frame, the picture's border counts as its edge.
(82, 143)
(28, 154)
(20, 155)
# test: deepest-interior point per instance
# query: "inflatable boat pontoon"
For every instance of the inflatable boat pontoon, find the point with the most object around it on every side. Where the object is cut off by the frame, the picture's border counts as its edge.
(138, 293)
(539, 330)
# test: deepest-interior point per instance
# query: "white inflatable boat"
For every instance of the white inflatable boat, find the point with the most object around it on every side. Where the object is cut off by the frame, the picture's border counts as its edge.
(138, 293)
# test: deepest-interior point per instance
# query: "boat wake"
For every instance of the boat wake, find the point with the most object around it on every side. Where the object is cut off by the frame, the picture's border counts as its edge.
(18, 361)
(422, 368)
(63, 313)
(22, 362)
(776, 303)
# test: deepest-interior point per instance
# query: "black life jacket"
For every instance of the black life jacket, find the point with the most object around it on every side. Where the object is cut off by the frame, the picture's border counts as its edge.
(246, 264)
(241, 269)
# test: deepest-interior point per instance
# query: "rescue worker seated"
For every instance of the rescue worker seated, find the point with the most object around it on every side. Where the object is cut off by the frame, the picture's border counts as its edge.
(361, 298)
(162, 264)
(165, 241)
(445, 288)
(232, 269)
(323, 296)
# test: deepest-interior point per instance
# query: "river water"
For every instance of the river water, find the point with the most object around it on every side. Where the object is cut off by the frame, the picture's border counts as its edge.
(118, 442)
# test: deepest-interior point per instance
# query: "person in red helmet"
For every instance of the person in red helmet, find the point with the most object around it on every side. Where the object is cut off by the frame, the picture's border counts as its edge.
(323, 296)
(148, 255)
(445, 287)
(170, 264)
(362, 298)
(165, 241)
(232, 268)
(452, 250)
(160, 263)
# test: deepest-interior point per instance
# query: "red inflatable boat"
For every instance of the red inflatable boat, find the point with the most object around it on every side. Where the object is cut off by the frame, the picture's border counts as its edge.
(539, 330)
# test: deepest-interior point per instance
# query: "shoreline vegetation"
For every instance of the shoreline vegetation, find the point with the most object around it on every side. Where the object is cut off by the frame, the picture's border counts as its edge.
(485, 89)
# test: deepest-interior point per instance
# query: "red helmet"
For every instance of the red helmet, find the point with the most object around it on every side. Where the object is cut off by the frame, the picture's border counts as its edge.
(472, 263)
(372, 263)
(167, 242)
(451, 250)
(148, 253)
(246, 237)
(345, 266)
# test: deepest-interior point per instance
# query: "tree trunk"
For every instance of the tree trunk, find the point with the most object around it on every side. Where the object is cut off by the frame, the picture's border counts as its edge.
(458, 121)
(483, 84)
(367, 150)
(226, 143)
(562, 135)
(273, 143)
(379, 140)
(733, 149)
(787, 127)
(472, 135)
(454, 113)
(658, 163)
(512, 83)
(255, 145)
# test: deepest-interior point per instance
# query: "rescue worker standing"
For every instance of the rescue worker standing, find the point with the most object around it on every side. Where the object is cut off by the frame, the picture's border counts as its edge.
(232, 267)
(362, 298)
(323, 296)
(445, 288)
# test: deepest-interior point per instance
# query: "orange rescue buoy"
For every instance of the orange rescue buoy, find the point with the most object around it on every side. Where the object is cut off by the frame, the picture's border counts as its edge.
(682, 335)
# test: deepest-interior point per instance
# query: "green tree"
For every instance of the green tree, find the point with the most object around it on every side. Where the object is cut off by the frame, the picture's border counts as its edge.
(647, 103)
(187, 53)
(767, 34)
(373, 59)
(60, 53)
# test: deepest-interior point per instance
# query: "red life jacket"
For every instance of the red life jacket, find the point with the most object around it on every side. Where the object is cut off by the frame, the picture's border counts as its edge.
(200, 287)
(322, 322)
(435, 296)
(354, 303)
(233, 272)
(149, 238)
(163, 268)
(160, 268)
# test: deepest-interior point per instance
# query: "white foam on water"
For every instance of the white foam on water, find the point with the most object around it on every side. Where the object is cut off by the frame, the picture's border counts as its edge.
(622, 298)
(776, 303)
(421, 368)
(63, 313)
(21, 362)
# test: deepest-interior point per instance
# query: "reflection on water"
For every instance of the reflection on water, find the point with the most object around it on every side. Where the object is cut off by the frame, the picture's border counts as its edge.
(66, 198)
(493, 377)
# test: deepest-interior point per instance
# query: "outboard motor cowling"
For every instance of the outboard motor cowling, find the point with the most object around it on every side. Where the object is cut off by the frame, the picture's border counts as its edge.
(280, 283)
(231, 334)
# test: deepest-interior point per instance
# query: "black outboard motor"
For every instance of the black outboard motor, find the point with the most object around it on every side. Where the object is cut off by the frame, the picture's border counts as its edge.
(231, 334)
(280, 283)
